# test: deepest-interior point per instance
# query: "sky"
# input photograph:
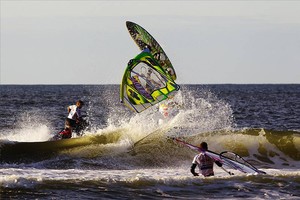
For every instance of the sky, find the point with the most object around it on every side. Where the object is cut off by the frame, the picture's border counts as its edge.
(208, 42)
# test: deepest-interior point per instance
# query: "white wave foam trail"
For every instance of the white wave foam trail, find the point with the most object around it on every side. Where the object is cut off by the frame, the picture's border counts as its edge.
(149, 183)
(12, 175)
(37, 133)
(29, 126)
(195, 112)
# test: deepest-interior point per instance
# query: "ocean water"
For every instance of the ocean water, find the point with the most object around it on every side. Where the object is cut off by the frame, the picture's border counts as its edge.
(124, 155)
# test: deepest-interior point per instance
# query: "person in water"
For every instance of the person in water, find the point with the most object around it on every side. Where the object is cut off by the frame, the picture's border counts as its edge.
(73, 121)
(204, 163)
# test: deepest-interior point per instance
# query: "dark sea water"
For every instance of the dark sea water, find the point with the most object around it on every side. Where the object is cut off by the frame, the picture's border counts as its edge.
(124, 155)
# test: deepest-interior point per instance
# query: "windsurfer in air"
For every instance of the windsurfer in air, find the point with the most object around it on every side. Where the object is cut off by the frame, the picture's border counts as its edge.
(204, 162)
(168, 109)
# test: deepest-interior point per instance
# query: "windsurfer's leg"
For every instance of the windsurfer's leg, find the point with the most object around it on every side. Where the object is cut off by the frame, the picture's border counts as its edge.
(70, 124)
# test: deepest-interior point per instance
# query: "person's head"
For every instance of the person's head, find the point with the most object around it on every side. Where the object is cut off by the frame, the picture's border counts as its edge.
(204, 146)
(79, 104)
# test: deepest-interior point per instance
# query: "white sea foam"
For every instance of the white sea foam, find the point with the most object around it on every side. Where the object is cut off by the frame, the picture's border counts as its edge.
(32, 133)
(27, 177)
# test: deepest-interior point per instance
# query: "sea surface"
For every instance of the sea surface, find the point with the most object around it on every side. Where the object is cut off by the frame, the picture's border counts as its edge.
(125, 155)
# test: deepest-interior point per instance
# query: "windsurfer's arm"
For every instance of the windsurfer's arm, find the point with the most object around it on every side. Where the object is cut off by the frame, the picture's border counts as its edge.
(193, 170)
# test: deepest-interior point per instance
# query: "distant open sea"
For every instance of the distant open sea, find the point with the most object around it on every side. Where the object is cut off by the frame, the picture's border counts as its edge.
(125, 155)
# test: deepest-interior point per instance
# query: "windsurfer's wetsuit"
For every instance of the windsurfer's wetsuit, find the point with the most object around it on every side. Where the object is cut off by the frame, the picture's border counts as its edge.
(205, 164)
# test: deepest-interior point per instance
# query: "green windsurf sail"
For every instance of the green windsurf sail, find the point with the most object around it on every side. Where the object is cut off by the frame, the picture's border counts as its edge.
(145, 83)
(144, 39)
